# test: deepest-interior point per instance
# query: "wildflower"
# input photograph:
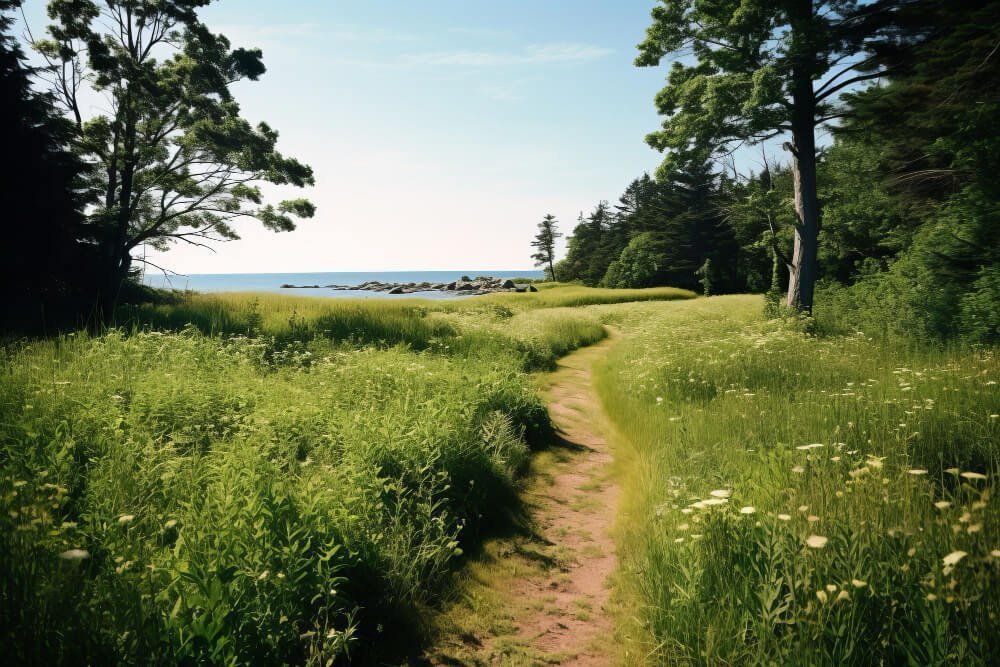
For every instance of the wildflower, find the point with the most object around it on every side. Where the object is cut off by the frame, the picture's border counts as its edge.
(798, 469)
(803, 508)
(917, 471)
(931, 597)
(952, 471)
(821, 596)
(911, 552)
(686, 510)
(994, 416)
(126, 518)
(812, 446)
(75, 554)
(859, 472)
(974, 528)
(874, 462)
(843, 595)
(749, 509)
(942, 504)
(954, 557)
(973, 475)
(682, 526)
(812, 518)
(835, 459)
(995, 553)
(784, 517)
(720, 493)
(831, 587)
(170, 524)
(679, 540)
(858, 583)
(816, 541)
(659, 399)
(263, 575)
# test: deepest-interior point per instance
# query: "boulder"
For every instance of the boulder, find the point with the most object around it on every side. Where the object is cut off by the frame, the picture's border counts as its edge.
(398, 289)
(508, 284)
(532, 288)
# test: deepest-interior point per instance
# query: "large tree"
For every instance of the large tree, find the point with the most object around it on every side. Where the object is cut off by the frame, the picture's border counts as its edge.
(745, 71)
(171, 157)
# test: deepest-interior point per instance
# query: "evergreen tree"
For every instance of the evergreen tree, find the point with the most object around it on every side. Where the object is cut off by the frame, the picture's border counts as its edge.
(44, 256)
(545, 242)
(761, 69)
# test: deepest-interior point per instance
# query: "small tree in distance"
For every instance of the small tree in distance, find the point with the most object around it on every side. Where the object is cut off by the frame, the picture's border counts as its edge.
(545, 241)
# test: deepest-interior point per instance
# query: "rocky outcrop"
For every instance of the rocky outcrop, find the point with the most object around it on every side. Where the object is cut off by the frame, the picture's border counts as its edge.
(479, 285)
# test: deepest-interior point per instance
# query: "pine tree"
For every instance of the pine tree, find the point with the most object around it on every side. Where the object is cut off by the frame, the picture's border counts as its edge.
(545, 242)
(45, 252)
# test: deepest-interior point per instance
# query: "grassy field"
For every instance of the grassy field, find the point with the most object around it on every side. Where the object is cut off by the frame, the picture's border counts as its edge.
(262, 479)
(793, 499)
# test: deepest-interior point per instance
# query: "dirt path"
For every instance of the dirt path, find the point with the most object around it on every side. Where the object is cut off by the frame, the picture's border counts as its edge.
(541, 596)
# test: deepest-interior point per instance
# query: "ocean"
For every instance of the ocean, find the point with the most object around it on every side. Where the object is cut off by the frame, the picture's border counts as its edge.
(272, 282)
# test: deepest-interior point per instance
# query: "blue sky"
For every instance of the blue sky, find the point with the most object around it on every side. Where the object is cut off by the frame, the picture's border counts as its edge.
(440, 132)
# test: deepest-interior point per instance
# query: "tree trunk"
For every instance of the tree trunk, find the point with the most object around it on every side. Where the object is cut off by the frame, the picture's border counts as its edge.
(552, 269)
(803, 267)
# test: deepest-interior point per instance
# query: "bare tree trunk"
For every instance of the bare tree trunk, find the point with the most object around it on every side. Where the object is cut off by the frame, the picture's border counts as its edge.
(802, 268)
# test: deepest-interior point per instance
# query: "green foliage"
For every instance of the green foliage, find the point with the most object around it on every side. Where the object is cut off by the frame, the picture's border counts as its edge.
(545, 242)
(636, 266)
(264, 479)
(794, 499)
(173, 159)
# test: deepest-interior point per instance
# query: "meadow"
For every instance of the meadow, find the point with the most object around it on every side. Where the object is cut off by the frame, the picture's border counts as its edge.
(235, 479)
(794, 498)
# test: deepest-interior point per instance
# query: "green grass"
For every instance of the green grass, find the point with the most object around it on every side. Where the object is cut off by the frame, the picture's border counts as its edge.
(263, 479)
(852, 471)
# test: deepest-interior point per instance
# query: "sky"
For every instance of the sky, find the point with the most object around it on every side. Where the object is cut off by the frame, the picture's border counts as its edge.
(440, 132)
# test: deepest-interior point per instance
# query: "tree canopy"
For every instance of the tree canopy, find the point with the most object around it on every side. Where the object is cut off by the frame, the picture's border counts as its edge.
(171, 159)
(744, 71)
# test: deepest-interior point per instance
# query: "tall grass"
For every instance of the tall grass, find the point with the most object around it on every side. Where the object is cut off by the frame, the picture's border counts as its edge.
(801, 500)
(260, 479)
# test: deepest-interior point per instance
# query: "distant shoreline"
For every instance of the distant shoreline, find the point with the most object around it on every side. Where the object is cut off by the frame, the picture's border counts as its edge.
(272, 282)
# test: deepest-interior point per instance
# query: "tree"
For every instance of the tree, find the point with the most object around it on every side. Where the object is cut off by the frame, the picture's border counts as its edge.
(171, 159)
(763, 68)
(45, 249)
(545, 241)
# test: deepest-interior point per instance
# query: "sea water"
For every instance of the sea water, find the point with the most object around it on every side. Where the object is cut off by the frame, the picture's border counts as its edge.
(272, 282)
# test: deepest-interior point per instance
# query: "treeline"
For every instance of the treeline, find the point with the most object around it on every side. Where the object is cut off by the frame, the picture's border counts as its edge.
(909, 238)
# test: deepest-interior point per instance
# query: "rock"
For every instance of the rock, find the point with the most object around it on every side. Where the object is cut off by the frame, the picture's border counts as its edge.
(463, 286)
(520, 289)
(532, 288)
(508, 284)
(398, 289)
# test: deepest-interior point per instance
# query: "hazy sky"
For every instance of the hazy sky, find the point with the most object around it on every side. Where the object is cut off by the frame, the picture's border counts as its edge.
(440, 132)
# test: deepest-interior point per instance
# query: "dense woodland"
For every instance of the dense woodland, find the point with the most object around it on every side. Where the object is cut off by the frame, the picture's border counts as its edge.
(909, 233)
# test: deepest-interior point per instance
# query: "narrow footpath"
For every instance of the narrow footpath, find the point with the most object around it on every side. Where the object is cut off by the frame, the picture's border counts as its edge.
(541, 596)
